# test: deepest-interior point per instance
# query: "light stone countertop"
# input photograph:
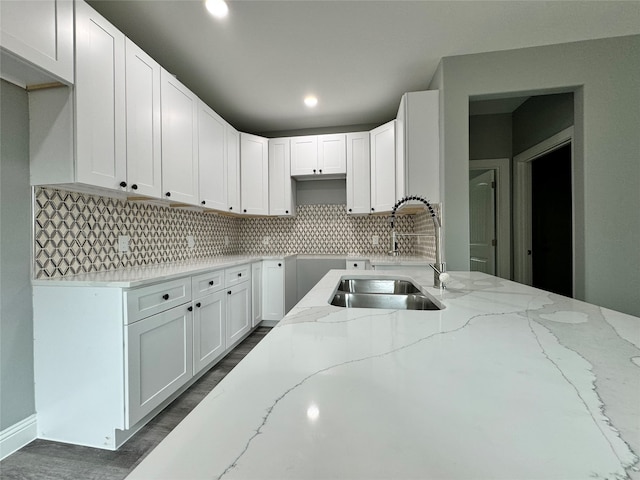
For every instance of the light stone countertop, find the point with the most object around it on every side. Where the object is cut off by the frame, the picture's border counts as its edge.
(507, 382)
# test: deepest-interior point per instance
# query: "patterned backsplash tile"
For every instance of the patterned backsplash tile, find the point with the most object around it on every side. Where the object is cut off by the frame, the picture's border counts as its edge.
(78, 233)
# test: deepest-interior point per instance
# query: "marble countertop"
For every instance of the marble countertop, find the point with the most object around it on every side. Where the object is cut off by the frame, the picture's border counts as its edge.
(139, 276)
(506, 382)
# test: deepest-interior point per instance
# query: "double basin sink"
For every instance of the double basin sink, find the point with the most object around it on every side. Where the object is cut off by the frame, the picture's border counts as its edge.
(390, 293)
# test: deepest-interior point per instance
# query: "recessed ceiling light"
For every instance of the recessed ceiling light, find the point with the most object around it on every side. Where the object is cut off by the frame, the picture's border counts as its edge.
(311, 101)
(217, 8)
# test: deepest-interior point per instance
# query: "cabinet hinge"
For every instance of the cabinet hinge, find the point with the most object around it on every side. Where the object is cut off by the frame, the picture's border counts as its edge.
(493, 242)
(493, 184)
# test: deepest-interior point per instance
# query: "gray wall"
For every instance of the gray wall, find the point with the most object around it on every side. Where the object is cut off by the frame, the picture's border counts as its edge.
(16, 318)
(321, 192)
(490, 136)
(603, 74)
(539, 118)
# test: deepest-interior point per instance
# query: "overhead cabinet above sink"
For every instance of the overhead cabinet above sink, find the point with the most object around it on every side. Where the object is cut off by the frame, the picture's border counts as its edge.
(319, 155)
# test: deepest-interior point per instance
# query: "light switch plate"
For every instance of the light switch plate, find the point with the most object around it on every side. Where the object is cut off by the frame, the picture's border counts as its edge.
(123, 243)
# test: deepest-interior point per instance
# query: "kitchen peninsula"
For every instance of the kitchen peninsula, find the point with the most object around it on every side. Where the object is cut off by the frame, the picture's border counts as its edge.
(506, 381)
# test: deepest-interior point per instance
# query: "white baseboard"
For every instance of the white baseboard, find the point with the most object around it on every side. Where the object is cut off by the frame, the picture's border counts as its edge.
(17, 436)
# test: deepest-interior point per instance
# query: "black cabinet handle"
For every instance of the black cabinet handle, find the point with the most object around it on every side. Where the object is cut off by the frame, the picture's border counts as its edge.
(134, 186)
(211, 282)
(240, 274)
(320, 170)
(165, 296)
(203, 202)
(286, 211)
(355, 265)
(351, 210)
(229, 292)
(230, 208)
(373, 209)
(168, 194)
(198, 304)
(279, 264)
(190, 309)
(123, 184)
(245, 210)
(314, 170)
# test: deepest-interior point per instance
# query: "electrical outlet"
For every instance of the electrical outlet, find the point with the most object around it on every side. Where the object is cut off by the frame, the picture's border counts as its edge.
(266, 240)
(191, 242)
(123, 243)
(375, 240)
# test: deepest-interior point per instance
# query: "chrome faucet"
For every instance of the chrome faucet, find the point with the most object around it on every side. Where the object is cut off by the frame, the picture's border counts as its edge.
(440, 277)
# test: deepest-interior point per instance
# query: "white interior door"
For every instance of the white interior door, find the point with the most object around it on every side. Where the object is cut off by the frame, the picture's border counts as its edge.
(482, 223)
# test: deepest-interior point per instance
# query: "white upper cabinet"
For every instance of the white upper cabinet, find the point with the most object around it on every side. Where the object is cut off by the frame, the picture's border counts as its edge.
(232, 152)
(144, 173)
(383, 168)
(319, 155)
(100, 101)
(254, 174)
(358, 173)
(212, 171)
(418, 145)
(36, 34)
(332, 154)
(281, 185)
(304, 155)
(179, 141)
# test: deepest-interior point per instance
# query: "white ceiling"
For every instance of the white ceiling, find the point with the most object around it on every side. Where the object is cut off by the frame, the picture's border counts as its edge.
(358, 57)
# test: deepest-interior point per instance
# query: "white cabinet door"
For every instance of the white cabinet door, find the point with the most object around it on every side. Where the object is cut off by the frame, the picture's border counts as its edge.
(159, 360)
(209, 329)
(212, 171)
(418, 145)
(238, 312)
(256, 293)
(358, 173)
(273, 289)
(383, 168)
(304, 155)
(179, 141)
(254, 174)
(332, 154)
(280, 183)
(100, 101)
(41, 33)
(144, 174)
(232, 152)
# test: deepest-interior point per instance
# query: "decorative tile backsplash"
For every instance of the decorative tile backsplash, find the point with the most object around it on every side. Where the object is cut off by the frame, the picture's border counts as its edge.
(78, 233)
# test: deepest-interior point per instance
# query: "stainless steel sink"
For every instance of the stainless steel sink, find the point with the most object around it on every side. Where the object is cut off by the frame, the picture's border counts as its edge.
(391, 293)
(381, 300)
(377, 285)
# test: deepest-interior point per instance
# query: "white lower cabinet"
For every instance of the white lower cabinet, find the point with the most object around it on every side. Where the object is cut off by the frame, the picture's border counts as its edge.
(158, 357)
(108, 358)
(238, 312)
(273, 290)
(256, 293)
(209, 329)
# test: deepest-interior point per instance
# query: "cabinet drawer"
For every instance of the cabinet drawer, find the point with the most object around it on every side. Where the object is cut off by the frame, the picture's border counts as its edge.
(236, 275)
(207, 283)
(146, 301)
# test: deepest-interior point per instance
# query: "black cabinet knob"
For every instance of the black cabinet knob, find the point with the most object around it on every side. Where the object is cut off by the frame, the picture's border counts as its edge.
(314, 170)
(190, 309)
(320, 170)
(240, 274)
(286, 211)
(230, 208)
(245, 210)
(123, 184)
(373, 209)
(211, 282)
(198, 304)
(134, 186)
(279, 264)
(168, 194)
(351, 209)
(229, 292)
(203, 202)
(355, 265)
(165, 296)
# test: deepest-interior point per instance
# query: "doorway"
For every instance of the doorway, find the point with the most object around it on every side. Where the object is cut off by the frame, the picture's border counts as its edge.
(551, 218)
(544, 214)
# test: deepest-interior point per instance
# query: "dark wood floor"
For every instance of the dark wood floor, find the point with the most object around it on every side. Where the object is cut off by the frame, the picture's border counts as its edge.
(42, 459)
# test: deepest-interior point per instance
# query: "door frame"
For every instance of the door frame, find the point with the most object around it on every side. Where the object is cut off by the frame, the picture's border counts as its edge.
(502, 168)
(522, 235)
